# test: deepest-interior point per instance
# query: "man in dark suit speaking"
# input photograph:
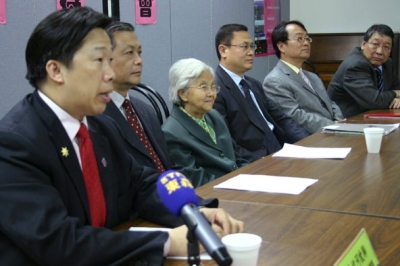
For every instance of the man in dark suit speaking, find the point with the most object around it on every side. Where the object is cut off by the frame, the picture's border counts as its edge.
(66, 177)
(257, 125)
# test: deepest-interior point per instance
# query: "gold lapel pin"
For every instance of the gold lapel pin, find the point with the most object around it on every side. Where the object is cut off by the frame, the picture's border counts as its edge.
(64, 152)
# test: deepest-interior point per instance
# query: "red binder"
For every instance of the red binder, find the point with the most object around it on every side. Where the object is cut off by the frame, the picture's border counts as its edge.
(382, 115)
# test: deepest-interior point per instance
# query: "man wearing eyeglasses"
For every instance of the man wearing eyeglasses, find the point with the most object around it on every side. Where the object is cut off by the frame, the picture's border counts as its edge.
(257, 125)
(367, 79)
(301, 94)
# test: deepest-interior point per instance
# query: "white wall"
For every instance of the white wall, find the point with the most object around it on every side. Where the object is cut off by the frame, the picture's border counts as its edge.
(332, 16)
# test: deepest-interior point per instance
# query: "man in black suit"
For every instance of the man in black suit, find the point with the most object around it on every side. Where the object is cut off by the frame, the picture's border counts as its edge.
(48, 212)
(257, 125)
(127, 65)
(367, 78)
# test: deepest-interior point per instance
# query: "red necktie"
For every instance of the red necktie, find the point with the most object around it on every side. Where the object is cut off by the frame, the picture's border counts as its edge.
(91, 175)
(134, 122)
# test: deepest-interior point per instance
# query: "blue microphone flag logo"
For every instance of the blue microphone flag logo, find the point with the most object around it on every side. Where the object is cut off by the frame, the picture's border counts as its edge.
(175, 191)
(174, 181)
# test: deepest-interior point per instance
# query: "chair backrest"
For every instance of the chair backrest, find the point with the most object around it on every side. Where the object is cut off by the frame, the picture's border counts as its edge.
(310, 66)
(155, 99)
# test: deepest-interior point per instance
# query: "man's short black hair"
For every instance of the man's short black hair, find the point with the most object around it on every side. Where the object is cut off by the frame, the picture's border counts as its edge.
(118, 26)
(58, 37)
(382, 29)
(225, 35)
(280, 34)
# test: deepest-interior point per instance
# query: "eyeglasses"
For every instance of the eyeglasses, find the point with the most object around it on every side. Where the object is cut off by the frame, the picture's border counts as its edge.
(302, 39)
(244, 46)
(375, 46)
(206, 88)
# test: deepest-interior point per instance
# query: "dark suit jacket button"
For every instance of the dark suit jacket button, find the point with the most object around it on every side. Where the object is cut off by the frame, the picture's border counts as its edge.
(263, 147)
(235, 167)
(221, 154)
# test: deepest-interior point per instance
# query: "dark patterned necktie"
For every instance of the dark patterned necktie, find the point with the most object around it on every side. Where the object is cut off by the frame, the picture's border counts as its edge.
(379, 79)
(273, 144)
(137, 128)
(91, 176)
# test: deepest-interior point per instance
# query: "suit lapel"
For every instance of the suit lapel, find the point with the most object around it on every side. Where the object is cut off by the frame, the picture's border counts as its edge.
(102, 149)
(261, 99)
(61, 142)
(386, 78)
(193, 128)
(295, 77)
(237, 94)
(130, 136)
(325, 99)
(143, 117)
(210, 121)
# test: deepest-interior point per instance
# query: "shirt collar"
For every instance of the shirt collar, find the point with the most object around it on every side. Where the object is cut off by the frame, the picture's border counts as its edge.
(203, 119)
(235, 77)
(293, 67)
(70, 124)
(118, 99)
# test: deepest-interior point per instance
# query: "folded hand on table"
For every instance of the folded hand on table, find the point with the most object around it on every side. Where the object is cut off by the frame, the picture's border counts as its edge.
(395, 104)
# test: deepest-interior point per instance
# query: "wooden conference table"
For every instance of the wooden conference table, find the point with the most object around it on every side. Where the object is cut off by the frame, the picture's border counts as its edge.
(295, 236)
(315, 227)
(362, 183)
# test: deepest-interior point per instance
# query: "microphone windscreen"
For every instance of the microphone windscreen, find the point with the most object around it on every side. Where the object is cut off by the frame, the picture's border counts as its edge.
(175, 191)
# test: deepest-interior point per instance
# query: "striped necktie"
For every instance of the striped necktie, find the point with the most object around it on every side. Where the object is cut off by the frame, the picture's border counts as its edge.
(379, 78)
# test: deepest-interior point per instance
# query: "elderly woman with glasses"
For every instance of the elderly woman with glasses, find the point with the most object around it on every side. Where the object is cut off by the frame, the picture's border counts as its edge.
(196, 134)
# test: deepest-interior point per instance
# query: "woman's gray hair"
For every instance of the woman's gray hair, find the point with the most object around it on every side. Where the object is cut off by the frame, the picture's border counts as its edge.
(182, 74)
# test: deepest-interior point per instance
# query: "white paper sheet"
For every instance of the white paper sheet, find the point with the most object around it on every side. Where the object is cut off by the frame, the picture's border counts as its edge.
(203, 256)
(295, 151)
(267, 183)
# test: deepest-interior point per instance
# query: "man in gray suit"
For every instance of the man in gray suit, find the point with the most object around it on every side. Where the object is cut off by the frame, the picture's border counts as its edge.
(367, 79)
(300, 94)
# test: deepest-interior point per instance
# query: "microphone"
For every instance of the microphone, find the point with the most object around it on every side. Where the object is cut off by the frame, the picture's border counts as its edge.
(178, 195)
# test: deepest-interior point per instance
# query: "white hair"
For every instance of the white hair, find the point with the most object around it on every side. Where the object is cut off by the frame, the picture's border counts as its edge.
(182, 74)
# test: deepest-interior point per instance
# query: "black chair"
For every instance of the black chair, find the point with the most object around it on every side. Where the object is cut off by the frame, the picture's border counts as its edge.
(314, 69)
(155, 99)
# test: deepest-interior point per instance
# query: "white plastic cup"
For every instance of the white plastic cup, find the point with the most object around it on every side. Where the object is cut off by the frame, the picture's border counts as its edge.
(243, 248)
(373, 138)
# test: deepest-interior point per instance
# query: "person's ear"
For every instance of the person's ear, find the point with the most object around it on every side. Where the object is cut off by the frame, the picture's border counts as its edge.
(281, 47)
(363, 43)
(54, 71)
(222, 49)
(182, 95)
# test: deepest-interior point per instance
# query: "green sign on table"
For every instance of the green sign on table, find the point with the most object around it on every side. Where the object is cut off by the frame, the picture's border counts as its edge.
(359, 253)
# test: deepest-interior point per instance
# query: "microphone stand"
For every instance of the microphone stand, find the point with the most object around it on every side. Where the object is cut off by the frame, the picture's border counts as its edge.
(193, 247)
